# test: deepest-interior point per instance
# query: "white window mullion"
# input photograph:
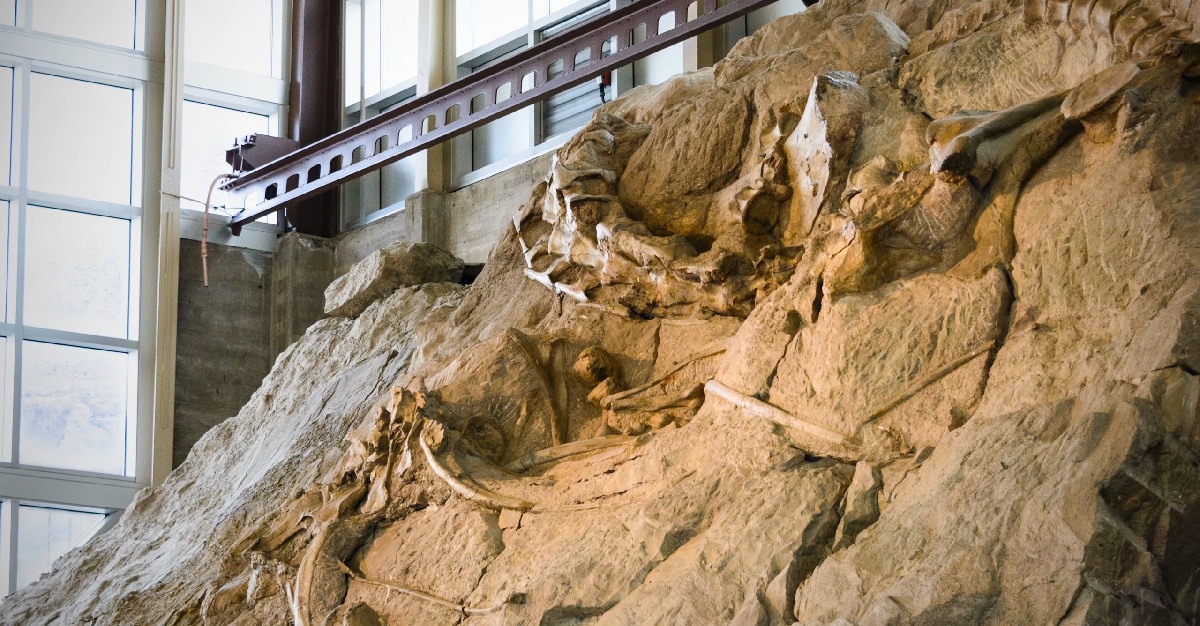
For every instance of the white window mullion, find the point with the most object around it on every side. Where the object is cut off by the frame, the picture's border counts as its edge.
(17, 276)
(8, 547)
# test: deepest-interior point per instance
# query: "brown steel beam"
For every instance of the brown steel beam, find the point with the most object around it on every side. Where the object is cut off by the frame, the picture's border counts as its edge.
(446, 112)
(316, 110)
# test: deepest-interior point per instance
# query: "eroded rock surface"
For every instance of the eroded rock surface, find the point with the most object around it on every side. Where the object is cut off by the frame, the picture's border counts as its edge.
(384, 271)
(888, 319)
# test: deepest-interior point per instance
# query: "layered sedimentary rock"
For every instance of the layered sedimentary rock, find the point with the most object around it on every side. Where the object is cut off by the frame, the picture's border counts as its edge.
(890, 318)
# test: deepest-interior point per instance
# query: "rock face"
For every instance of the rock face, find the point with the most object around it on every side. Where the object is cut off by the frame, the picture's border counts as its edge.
(888, 319)
(384, 271)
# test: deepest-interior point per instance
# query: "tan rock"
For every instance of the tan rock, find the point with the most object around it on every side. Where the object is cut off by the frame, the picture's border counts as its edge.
(383, 271)
(963, 393)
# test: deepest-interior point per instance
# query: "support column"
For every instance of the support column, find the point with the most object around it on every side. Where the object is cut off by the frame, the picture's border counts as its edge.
(435, 67)
(315, 95)
(164, 309)
(301, 270)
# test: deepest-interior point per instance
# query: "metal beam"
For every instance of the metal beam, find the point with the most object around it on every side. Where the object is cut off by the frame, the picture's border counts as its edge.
(444, 113)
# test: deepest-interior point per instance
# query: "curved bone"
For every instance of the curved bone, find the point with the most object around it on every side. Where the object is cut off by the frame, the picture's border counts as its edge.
(926, 381)
(557, 453)
(476, 494)
(558, 427)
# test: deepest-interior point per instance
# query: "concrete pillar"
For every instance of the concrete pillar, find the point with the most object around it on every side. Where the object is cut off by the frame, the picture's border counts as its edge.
(302, 269)
(424, 218)
(435, 67)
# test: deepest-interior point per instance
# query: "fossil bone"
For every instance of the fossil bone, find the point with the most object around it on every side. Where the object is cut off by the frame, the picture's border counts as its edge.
(834, 441)
(476, 494)
(465, 610)
(557, 453)
(954, 141)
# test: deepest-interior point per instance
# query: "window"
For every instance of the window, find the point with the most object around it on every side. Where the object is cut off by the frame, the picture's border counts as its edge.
(80, 139)
(234, 86)
(388, 38)
(487, 31)
(242, 35)
(389, 41)
(110, 22)
(480, 22)
(41, 534)
(71, 232)
(76, 424)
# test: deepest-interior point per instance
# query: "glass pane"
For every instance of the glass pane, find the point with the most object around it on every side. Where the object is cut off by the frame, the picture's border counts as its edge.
(6, 109)
(393, 47)
(4, 256)
(80, 139)
(353, 52)
(77, 272)
(109, 22)
(74, 408)
(499, 140)
(208, 131)
(237, 34)
(44, 534)
(8, 16)
(5, 413)
(482, 21)
(542, 8)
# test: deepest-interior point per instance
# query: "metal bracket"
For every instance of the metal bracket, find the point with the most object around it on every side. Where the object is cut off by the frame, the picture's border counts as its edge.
(483, 96)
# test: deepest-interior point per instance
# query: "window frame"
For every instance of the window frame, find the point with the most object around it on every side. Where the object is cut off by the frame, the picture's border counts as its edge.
(141, 70)
(23, 23)
(229, 88)
(10, 526)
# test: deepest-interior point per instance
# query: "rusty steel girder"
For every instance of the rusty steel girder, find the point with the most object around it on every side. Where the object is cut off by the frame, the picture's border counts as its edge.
(632, 33)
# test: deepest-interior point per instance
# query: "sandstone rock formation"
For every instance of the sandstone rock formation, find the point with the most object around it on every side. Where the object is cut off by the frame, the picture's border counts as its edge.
(888, 319)
(384, 271)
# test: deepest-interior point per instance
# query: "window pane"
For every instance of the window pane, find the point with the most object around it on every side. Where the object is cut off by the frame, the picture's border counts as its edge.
(77, 272)
(502, 139)
(542, 8)
(353, 52)
(4, 257)
(44, 534)
(391, 45)
(208, 131)
(109, 22)
(80, 139)
(74, 408)
(395, 43)
(8, 12)
(237, 34)
(482, 21)
(6, 429)
(6, 109)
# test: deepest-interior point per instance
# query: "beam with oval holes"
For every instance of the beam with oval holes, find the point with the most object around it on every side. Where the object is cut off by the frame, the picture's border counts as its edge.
(632, 31)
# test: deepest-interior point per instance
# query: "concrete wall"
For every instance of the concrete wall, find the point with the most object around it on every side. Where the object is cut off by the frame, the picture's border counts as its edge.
(466, 222)
(478, 213)
(303, 269)
(223, 348)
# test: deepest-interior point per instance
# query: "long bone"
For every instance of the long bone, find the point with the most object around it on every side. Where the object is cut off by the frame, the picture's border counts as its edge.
(467, 611)
(954, 141)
